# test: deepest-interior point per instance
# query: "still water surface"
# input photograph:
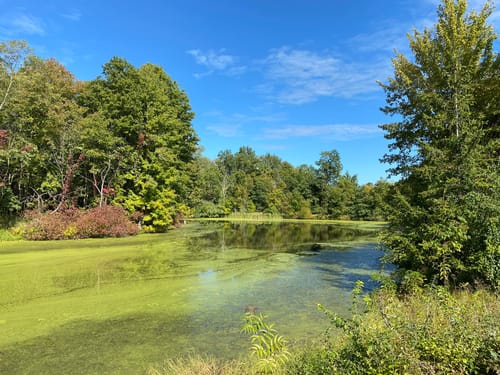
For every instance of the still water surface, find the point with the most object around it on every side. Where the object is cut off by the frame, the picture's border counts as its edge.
(118, 306)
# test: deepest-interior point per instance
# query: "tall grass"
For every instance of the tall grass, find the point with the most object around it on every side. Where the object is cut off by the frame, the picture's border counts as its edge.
(8, 235)
(254, 216)
(197, 365)
(431, 331)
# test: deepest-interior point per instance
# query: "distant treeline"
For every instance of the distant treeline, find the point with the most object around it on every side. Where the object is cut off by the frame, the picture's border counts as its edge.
(245, 182)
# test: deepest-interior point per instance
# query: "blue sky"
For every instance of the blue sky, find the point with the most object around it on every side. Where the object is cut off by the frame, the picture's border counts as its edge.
(292, 78)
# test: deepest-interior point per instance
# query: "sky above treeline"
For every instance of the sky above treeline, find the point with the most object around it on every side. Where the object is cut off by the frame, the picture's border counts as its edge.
(287, 77)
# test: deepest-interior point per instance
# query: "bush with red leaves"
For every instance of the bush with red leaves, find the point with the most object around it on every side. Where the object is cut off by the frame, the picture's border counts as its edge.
(105, 221)
(49, 226)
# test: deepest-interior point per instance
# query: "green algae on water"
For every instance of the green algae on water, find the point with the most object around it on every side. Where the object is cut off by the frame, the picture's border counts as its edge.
(114, 306)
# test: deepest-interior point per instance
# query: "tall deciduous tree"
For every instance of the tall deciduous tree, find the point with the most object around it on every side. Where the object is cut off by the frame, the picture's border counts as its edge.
(445, 222)
(149, 120)
(12, 56)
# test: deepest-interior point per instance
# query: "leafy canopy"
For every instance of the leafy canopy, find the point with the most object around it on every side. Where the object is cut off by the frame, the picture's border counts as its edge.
(445, 219)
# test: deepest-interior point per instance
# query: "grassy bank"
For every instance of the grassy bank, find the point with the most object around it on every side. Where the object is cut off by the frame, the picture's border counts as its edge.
(264, 218)
(374, 226)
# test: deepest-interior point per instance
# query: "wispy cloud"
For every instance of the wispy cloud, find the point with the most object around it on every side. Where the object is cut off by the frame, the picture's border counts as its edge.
(13, 24)
(297, 76)
(216, 61)
(72, 15)
(225, 130)
(212, 60)
(341, 132)
(234, 125)
(386, 39)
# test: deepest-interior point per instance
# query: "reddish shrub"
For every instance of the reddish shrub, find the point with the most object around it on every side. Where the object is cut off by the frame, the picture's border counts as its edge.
(49, 226)
(4, 138)
(105, 221)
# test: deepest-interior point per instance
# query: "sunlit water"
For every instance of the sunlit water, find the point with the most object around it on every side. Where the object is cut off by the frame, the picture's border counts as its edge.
(115, 307)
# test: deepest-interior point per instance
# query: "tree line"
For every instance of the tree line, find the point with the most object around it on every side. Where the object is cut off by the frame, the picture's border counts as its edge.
(126, 138)
(245, 182)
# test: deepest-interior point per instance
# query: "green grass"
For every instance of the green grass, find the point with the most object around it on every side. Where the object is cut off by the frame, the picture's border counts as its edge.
(262, 218)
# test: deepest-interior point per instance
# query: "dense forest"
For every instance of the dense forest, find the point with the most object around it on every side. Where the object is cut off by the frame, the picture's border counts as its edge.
(126, 139)
(245, 182)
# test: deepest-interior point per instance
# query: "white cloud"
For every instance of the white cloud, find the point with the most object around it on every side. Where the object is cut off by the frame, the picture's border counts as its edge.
(300, 76)
(212, 59)
(216, 61)
(386, 39)
(21, 23)
(342, 132)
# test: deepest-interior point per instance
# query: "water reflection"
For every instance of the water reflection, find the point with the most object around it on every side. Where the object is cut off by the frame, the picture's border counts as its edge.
(277, 236)
(260, 266)
(237, 247)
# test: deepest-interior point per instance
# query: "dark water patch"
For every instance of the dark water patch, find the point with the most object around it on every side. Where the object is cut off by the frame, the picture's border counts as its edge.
(356, 263)
(275, 236)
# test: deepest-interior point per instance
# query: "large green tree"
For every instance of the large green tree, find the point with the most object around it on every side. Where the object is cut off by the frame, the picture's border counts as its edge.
(12, 56)
(146, 157)
(446, 97)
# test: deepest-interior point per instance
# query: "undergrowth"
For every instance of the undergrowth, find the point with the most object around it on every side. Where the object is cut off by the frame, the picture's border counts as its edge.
(73, 223)
(431, 331)
(428, 331)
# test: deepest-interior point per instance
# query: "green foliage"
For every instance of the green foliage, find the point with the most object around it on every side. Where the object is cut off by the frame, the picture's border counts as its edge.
(149, 119)
(269, 347)
(430, 331)
(8, 235)
(12, 55)
(125, 138)
(329, 166)
(444, 211)
(246, 183)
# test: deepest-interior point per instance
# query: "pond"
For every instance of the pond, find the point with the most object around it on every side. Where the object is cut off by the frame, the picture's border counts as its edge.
(116, 306)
